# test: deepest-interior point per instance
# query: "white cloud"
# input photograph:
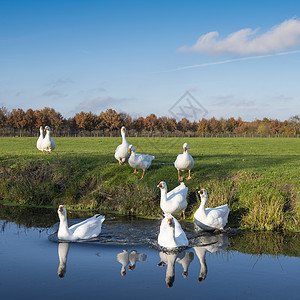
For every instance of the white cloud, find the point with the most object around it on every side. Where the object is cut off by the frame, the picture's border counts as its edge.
(98, 103)
(61, 82)
(247, 41)
(53, 93)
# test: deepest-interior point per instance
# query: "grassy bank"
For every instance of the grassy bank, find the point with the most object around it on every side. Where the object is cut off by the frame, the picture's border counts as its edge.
(257, 177)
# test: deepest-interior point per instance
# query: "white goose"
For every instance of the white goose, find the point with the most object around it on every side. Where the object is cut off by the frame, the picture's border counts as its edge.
(40, 139)
(63, 250)
(184, 162)
(171, 234)
(123, 259)
(121, 153)
(48, 143)
(173, 202)
(139, 161)
(87, 229)
(210, 218)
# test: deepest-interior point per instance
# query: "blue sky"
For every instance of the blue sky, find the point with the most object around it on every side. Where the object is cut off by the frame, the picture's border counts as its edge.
(237, 58)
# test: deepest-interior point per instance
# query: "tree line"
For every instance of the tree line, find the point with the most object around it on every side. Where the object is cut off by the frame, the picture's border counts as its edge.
(18, 122)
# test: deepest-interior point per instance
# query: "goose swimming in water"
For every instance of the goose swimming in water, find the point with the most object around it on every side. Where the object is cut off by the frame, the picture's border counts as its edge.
(87, 229)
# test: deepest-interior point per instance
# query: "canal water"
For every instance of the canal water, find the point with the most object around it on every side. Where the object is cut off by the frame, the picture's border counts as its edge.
(125, 261)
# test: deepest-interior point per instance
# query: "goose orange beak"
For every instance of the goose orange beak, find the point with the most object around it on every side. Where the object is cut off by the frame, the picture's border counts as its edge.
(159, 185)
(61, 208)
(169, 221)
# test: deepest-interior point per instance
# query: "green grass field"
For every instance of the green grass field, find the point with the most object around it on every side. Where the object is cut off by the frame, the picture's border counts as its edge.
(257, 177)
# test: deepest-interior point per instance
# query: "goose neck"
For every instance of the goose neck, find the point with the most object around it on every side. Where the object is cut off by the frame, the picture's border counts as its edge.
(124, 141)
(163, 195)
(171, 236)
(63, 225)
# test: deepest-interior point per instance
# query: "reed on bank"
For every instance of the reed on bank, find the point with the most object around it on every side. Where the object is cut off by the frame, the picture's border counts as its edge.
(257, 177)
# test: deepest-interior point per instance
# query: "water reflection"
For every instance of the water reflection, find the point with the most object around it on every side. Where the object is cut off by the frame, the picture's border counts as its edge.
(134, 257)
(125, 258)
(63, 250)
(184, 258)
(209, 243)
(185, 261)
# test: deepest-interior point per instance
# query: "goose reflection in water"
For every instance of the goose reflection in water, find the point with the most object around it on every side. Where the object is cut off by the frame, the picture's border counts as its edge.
(63, 250)
(184, 258)
(185, 261)
(134, 257)
(125, 258)
(211, 243)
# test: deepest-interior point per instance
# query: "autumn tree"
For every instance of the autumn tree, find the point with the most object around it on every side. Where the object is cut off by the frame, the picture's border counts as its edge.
(275, 126)
(150, 122)
(16, 119)
(85, 121)
(214, 125)
(230, 125)
(126, 120)
(111, 119)
(48, 116)
(30, 120)
(295, 123)
(138, 124)
(171, 124)
(162, 123)
(184, 125)
(3, 116)
(203, 126)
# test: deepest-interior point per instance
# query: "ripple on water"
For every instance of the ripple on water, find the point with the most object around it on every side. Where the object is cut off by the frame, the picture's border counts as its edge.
(121, 230)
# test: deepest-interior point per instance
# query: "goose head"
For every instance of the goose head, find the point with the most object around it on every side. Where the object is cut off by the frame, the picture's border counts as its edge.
(162, 185)
(62, 212)
(123, 130)
(170, 222)
(203, 194)
(47, 128)
(170, 281)
(185, 147)
(131, 149)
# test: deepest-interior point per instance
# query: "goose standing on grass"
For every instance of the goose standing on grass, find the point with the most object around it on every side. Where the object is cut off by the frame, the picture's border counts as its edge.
(171, 234)
(139, 161)
(87, 229)
(184, 162)
(173, 202)
(40, 139)
(121, 153)
(48, 143)
(210, 218)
